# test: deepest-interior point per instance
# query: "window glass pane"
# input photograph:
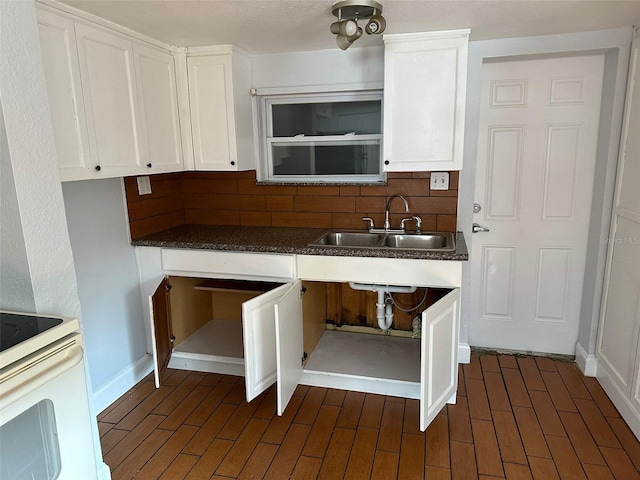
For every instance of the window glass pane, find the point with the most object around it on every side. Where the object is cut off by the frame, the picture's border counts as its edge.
(331, 158)
(332, 118)
(30, 446)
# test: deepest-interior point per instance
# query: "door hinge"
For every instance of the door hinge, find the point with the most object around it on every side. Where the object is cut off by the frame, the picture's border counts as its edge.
(168, 287)
(172, 339)
(304, 358)
(303, 290)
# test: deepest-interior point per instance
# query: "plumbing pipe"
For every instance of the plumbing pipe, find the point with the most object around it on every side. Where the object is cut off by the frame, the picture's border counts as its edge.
(384, 307)
(380, 310)
(388, 314)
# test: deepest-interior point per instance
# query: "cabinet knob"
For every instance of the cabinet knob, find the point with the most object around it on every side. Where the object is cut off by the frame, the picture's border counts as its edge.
(386, 162)
(233, 163)
(98, 168)
(149, 165)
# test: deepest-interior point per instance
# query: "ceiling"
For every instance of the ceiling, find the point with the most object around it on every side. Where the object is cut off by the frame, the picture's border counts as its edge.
(272, 26)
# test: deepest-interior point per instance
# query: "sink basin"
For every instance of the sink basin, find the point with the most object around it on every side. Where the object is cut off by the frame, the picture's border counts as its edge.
(390, 241)
(350, 239)
(426, 241)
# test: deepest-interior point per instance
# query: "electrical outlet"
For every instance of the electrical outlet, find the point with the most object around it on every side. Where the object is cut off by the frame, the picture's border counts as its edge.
(439, 181)
(144, 185)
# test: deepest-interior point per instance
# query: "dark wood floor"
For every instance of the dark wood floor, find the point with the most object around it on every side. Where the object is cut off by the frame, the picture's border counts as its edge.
(515, 418)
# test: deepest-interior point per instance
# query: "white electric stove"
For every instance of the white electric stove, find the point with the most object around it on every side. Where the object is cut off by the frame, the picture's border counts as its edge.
(45, 420)
(23, 334)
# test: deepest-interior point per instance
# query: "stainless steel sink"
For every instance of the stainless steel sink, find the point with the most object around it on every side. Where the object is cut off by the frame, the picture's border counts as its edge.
(350, 239)
(425, 241)
(394, 241)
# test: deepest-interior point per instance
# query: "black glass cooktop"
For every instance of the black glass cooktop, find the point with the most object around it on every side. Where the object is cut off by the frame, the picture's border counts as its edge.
(15, 328)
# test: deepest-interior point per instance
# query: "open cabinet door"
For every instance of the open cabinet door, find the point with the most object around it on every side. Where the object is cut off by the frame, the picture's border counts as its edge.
(289, 349)
(161, 340)
(259, 337)
(439, 356)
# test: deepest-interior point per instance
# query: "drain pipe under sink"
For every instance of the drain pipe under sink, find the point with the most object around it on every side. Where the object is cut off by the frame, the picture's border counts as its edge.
(384, 306)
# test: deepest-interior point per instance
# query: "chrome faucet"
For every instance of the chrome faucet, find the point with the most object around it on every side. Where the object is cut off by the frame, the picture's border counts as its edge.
(387, 225)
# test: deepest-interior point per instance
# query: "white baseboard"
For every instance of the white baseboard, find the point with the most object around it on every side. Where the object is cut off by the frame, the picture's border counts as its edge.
(104, 472)
(588, 364)
(122, 382)
(464, 353)
(620, 400)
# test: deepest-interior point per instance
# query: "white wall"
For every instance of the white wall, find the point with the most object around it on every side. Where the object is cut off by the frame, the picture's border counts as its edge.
(16, 292)
(324, 67)
(108, 283)
(31, 153)
(615, 43)
(36, 203)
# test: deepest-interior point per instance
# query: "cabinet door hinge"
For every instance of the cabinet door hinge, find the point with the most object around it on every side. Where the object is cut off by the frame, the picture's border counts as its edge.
(172, 339)
(303, 290)
(304, 357)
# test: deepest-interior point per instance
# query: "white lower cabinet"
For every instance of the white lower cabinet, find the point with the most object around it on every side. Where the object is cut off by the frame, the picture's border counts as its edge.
(276, 333)
(218, 326)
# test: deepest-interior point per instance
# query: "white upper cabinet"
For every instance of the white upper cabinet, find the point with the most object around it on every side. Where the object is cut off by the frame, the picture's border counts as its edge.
(113, 100)
(62, 73)
(221, 117)
(109, 91)
(425, 76)
(158, 103)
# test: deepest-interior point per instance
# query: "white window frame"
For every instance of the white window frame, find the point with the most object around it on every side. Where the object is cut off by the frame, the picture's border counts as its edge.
(266, 140)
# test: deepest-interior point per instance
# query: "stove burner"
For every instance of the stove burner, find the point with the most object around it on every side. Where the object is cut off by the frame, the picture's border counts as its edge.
(15, 328)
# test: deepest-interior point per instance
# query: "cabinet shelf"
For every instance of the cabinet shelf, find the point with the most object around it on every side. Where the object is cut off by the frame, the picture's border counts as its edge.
(223, 285)
(215, 348)
(361, 354)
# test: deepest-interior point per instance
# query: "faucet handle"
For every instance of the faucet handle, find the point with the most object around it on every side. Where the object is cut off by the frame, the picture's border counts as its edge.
(415, 218)
(370, 220)
(402, 222)
(418, 221)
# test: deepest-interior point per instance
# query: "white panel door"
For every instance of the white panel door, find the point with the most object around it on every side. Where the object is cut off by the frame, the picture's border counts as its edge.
(618, 337)
(289, 346)
(156, 86)
(439, 356)
(109, 91)
(259, 337)
(212, 113)
(536, 156)
(62, 74)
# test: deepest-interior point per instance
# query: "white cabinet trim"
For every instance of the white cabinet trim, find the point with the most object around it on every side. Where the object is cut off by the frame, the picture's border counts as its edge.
(216, 264)
(383, 271)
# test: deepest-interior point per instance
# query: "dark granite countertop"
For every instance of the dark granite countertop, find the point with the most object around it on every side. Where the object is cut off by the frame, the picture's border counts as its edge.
(280, 240)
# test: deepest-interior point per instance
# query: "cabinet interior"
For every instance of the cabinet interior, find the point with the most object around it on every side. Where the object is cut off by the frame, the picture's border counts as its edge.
(207, 313)
(206, 319)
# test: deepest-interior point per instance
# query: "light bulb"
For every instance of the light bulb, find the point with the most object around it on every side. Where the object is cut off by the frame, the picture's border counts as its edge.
(376, 24)
(346, 28)
(349, 28)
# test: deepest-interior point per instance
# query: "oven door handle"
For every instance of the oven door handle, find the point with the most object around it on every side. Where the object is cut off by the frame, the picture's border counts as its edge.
(43, 369)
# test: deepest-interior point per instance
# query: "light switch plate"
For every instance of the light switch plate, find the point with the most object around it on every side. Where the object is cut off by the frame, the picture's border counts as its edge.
(144, 185)
(439, 181)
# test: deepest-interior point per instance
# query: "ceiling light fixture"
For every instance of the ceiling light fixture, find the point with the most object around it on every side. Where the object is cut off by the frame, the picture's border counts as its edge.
(348, 12)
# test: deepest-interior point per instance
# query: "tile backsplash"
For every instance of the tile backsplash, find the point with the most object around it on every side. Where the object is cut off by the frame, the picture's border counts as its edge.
(234, 198)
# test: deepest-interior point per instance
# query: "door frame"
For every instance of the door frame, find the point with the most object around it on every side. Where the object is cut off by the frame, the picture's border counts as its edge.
(615, 44)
